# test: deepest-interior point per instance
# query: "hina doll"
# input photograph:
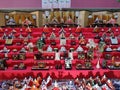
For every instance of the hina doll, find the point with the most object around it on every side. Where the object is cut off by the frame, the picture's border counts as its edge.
(79, 49)
(11, 21)
(78, 29)
(44, 85)
(56, 87)
(34, 88)
(108, 49)
(82, 41)
(49, 81)
(15, 54)
(23, 50)
(49, 49)
(5, 50)
(5, 35)
(96, 29)
(90, 53)
(3, 64)
(30, 46)
(20, 35)
(63, 49)
(101, 46)
(27, 22)
(91, 43)
(118, 49)
(62, 39)
(114, 40)
(88, 86)
(77, 82)
(28, 30)
(105, 87)
(40, 43)
(68, 63)
(57, 55)
(52, 38)
(25, 41)
(69, 20)
(36, 83)
(110, 85)
(70, 55)
(46, 29)
(72, 38)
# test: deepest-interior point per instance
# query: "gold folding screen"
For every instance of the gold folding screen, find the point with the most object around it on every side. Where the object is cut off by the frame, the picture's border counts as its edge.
(20, 17)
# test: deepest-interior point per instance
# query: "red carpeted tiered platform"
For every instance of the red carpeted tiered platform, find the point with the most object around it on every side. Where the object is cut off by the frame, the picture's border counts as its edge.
(9, 73)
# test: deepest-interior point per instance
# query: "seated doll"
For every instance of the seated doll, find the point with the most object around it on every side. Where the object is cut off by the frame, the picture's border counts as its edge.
(5, 36)
(49, 49)
(91, 43)
(79, 49)
(72, 38)
(46, 29)
(114, 40)
(78, 29)
(27, 22)
(63, 49)
(22, 56)
(15, 54)
(81, 55)
(30, 46)
(70, 55)
(52, 38)
(62, 39)
(40, 43)
(90, 53)
(9, 40)
(68, 63)
(23, 50)
(28, 30)
(108, 49)
(11, 21)
(69, 20)
(5, 50)
(57, 55)
(20, 35)
(56, 86)
(118, 49)
(82, 41)
(29, 36)
(3, 64)
(96, 29)
(25, 41)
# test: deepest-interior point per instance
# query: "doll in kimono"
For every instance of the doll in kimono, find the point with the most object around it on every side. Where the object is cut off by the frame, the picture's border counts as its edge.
(52, 38)
(62, 39)
(40, 43)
